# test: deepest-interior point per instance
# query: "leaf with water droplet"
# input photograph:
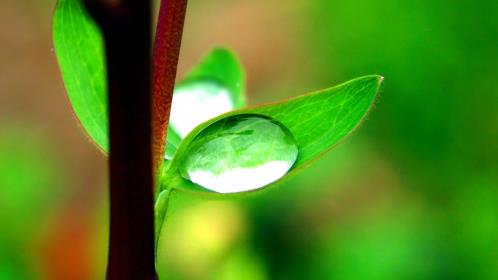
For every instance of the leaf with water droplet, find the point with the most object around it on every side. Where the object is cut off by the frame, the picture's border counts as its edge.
(316, 121)
(215, 86)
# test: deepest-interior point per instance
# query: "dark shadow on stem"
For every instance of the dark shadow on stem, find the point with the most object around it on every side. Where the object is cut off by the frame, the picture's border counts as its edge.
(127, 34)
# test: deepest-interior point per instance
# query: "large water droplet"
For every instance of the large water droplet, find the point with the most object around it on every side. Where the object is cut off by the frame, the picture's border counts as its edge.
(197, 102)
(239, 153)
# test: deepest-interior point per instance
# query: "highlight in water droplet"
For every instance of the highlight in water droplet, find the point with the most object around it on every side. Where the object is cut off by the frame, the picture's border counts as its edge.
(239, 153)
(196, 102)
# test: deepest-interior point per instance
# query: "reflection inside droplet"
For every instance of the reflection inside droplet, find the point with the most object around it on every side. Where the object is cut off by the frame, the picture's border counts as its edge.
(197, 102)
(239, 153)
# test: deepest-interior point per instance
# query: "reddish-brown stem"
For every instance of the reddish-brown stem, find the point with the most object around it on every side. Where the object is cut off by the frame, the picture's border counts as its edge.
(127, 34)
(166, 52)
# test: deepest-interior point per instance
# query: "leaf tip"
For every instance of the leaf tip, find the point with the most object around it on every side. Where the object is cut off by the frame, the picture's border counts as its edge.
(380, 80)
(375, 80)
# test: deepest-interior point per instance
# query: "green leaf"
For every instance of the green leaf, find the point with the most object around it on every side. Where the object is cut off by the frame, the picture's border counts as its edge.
(79, 48)
(215, 86)
(160, 209)
(223, 66)
(317, 121)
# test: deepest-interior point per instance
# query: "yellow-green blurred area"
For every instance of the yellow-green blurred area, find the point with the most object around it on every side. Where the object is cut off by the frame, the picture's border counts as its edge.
(412, 195)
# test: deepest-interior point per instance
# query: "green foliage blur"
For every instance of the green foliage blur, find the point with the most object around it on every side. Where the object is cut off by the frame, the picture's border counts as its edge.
(413, 194)
(31, 190)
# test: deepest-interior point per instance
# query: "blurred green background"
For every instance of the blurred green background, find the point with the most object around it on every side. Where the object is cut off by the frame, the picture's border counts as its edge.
(412, 195)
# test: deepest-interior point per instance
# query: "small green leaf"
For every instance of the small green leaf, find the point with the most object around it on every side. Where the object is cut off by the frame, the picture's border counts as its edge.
(79, 47)
(223, 66)
(160, 209)
(214, 87)
(317, 121)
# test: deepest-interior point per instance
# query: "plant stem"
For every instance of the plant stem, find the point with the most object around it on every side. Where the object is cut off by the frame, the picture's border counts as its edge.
(166, 53)
(127, 34)
(136, 146)
(161, 207)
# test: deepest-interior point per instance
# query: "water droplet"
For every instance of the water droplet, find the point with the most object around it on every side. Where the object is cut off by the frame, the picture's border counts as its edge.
(239, 153)
(196, 102)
